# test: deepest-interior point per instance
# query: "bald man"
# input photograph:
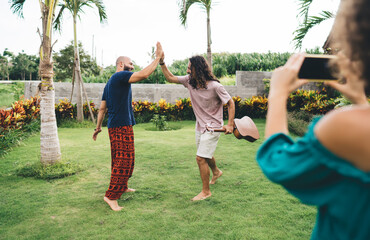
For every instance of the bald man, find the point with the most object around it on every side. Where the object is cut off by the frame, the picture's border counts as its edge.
(117, 99)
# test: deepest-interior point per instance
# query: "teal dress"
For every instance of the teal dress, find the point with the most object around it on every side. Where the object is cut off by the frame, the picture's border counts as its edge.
(316, 176)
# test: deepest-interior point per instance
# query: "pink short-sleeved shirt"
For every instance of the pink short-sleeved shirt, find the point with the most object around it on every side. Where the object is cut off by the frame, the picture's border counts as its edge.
(207, 103)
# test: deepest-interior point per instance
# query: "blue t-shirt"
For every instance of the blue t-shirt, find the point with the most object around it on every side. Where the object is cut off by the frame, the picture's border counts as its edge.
(316, 176)
(117, 93)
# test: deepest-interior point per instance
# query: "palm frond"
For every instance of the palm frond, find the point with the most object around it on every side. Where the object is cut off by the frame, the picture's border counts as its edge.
(305, 27)
(184, 9)
(58, 20)
(17, 7)
(101, 9)
(304, 9)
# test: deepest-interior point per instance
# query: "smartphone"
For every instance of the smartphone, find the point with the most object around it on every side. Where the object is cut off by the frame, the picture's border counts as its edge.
(319, 67)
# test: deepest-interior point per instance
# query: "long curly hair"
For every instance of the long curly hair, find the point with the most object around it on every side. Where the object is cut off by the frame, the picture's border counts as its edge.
(200, 73)
(352, 37)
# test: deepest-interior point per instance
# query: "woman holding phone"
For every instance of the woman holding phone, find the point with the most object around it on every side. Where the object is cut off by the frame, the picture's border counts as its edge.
(330, 166)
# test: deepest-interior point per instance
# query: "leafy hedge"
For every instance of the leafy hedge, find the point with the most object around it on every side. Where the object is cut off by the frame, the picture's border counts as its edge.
(21, 119)
(22, 112)
(313, 102)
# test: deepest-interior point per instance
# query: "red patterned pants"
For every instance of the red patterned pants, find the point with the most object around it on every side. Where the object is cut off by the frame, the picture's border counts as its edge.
(123, 160)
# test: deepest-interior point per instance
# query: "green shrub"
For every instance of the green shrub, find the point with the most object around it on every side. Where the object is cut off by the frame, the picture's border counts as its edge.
(160, 123)
(58, 170)
(66, 110)
(302, 115)
(341, 102)
(297, 126)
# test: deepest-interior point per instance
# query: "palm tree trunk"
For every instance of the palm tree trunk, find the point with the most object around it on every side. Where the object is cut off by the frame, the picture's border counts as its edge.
(49, 141)
(7, 70)
(209, 41)
(87, 101)
(77, 74)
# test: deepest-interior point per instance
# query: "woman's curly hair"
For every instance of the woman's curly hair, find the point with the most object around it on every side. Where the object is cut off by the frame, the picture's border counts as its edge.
(352, 36)
(200, 72)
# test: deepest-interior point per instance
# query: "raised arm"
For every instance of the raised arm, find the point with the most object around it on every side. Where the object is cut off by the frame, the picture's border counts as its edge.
(166, 72)
(283, 81)
(168, 75)
(145, 73)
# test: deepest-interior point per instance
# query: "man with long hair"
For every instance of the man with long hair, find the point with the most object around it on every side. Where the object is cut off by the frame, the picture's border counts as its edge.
(207, 98)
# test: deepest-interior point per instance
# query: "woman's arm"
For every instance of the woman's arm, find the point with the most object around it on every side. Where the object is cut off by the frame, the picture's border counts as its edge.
(283, 81)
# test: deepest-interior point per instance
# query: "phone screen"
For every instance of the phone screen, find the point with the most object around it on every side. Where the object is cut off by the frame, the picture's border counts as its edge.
(318, 68)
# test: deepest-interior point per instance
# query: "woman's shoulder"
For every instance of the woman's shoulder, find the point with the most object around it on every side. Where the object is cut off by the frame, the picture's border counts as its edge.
(346, 133)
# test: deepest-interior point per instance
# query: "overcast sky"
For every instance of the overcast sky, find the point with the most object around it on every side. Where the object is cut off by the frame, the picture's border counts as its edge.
(134, 26)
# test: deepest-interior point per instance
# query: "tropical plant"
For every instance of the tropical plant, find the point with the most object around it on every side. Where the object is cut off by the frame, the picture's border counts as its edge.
(49, 141)
(308, 21)
(76, 7)
(206, 5)
(159, 121)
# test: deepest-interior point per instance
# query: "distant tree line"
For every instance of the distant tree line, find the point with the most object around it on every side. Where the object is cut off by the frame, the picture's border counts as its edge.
(22, 66)
(18, 67)
(25, 67)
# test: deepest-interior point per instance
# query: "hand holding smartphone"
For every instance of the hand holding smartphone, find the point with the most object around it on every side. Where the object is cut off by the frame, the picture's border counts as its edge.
(319, 67)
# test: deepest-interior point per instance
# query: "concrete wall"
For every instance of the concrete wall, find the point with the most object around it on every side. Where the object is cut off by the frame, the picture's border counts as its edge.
(247, 84)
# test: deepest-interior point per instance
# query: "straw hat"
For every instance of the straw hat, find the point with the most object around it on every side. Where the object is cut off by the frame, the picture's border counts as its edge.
(247, 129)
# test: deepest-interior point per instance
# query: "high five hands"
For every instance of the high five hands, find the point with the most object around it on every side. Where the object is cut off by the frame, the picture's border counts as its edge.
(159, 52)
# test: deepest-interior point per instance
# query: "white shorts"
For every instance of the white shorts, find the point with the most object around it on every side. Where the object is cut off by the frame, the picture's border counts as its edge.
(206, 143)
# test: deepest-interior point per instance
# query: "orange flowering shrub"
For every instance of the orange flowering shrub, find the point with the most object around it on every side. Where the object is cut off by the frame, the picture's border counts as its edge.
(254, 107)
(64, 110)
(315, 102)
(86, 110)
(182, 110)
(21, 113)
(144, 110)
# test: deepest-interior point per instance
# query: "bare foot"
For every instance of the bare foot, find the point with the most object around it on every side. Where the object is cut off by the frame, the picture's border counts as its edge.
(215, 176)
(201, 196)
(130, 190)
(113, 204)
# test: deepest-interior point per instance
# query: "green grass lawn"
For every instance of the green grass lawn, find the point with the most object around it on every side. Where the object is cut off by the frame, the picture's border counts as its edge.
(244, 204)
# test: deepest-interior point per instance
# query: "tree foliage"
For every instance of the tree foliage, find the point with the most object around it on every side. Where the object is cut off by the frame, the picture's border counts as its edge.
(63, 63)
(19, 66)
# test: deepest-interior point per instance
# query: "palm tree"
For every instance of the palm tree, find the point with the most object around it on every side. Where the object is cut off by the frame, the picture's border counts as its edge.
(308, 22)
(76, 7)
(206, 5)
(49, 141)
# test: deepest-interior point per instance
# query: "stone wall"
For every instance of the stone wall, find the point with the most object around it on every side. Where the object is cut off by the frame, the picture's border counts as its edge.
(247, 84)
